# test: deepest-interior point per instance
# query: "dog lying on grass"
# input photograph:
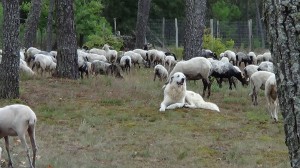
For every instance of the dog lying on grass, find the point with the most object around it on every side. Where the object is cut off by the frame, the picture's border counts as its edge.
(176, 96)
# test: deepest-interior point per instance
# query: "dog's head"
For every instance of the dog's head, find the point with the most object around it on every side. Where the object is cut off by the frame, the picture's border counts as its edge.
(178, 79)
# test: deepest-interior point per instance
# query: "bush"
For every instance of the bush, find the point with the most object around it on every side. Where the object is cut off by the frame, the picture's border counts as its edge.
(217, 45)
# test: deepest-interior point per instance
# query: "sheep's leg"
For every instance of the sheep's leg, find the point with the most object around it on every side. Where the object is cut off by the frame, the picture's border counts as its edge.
(23, 141)
(31, 133)
(7, 150)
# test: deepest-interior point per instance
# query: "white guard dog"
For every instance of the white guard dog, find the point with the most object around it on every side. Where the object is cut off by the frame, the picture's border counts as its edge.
(176, 95)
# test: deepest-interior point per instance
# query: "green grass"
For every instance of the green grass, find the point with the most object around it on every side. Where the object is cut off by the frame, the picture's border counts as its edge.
(108, 122)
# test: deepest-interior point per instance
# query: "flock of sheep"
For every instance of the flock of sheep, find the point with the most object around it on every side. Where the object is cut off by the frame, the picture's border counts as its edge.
(15, 120)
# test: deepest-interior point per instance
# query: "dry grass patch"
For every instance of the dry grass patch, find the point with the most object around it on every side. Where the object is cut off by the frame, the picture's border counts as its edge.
(108, 122)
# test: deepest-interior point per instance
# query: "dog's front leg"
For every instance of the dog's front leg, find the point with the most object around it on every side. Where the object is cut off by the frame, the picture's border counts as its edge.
(175, 105)
(162, 107)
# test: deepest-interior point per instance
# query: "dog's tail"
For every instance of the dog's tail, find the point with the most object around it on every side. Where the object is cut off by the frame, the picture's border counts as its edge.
(209, 106)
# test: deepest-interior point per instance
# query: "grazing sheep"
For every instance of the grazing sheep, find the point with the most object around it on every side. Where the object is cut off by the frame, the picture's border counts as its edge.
(208, 54)
(195, 69)
(257, 81)
(267, 57)
(16, 120)
(222, 70)
(125, 63)
(271, 96)
(252, 56)
(104, 68)
(142, 52)
(44, 63)
(155, 57)
(97, 51)
(249, 70)
(170, 62)
(231, 56)
(259, 59)
(161, 72)
(265, 66)
(171, 54)
(29, 54)
(24, 68)
(242, 57)
(224, 59)
(85, 68)
(111, 55)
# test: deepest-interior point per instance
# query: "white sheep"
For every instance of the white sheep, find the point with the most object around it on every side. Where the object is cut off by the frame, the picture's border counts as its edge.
(170, 62)
(24, 68)
(43, 63)
(257, 81)
(29, 54)
(136, 58)
(142, 52)
(93, 57)
(249, 70)
(16, 120)
(97, 51)
(194, 69)
(231, 56)
(224, 59)
(155, 57)
(252, 56)
(271, 96)
(266, 66)
(161, 72)
(111, 55)
(125, 63)
(259, 58)
(267, 56)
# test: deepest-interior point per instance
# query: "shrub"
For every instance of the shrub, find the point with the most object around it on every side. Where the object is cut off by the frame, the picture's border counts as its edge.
(217, 45)
(98, 41)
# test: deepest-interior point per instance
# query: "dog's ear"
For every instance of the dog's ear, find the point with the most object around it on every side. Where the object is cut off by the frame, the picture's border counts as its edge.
(171, 80)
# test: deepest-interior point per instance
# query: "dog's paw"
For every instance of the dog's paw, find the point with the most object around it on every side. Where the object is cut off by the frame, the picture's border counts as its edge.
(162, 109)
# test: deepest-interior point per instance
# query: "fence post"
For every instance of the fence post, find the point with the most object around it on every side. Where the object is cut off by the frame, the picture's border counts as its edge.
(212, 32)
(163, 32)
(250, 33)
(115, 25)
(176, 32)
(218, 29)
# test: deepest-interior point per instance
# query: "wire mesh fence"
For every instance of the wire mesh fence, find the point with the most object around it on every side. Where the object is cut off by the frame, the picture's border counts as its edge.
(245, 34)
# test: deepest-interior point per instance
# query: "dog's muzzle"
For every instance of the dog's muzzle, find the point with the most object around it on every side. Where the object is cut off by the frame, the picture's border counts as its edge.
(181, 82)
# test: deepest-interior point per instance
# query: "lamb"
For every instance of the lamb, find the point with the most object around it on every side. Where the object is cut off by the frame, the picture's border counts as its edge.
(271, 96)
(125, 63)
(231, 56)
(111, 55)
(44, 63)
(104, 68)
(195, 69)
(161, 72)
(15, 120)
(242, 57)
(266, 66)
(258, 80)
(249, 70)
(222, 70)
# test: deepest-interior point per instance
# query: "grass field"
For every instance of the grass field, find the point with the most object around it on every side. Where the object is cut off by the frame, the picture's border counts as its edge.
(111, 123)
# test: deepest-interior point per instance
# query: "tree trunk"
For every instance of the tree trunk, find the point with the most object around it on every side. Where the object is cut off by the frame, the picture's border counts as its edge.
(9, 67)
(32, 23)
(67, 59)
(49, 26)
(194, 28)
(142, 22)
(282, 23)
